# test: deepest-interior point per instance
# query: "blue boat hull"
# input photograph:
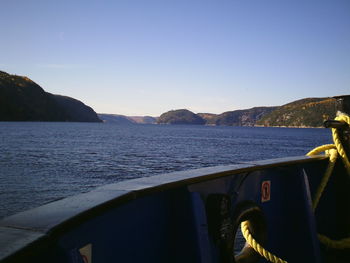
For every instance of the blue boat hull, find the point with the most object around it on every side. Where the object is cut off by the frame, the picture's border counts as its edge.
(177, 217)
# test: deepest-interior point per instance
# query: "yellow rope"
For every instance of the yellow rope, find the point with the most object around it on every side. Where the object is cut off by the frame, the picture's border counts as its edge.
(332, 151)
(337, 244)
(337, 142)
(256, 246)
(333, 154)
(321, 149)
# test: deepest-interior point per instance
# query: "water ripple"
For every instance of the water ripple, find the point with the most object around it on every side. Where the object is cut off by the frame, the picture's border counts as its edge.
(41, 162)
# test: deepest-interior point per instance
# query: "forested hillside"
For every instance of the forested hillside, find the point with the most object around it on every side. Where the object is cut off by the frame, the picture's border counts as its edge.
(21, 99)
(310, 112)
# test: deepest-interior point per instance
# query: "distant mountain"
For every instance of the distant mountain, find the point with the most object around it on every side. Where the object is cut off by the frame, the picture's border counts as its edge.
(114, 118)
(143, 119)
(210, 118)
(309, 112)
(182, 116)
(121, 119)
(75, 110)
(21, 99)
(247, 117)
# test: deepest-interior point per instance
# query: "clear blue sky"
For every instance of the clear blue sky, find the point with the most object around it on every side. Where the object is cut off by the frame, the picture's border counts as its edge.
(145, 57)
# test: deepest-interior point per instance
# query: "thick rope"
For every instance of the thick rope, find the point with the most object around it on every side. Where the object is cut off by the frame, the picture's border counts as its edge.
(337, 244)
(257, 247)
(332, 150)
(321, 149)
(337, 142)
(333, 154)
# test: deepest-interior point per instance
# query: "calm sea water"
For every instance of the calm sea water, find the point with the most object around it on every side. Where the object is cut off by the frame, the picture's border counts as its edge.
(41, 162)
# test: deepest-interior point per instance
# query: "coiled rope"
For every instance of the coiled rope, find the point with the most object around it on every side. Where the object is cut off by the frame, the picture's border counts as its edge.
(332, 150)
(337, 142)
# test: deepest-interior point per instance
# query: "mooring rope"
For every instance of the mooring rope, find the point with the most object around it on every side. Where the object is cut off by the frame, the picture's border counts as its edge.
(332, 150)
(336, 138)
(256, 246)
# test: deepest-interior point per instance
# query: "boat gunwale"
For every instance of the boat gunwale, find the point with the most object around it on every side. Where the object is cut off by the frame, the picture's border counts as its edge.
(49, 221)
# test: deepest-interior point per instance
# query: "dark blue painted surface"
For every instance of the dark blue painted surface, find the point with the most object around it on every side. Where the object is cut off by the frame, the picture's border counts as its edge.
(177, 224)
(167, 221)
(290, 221)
